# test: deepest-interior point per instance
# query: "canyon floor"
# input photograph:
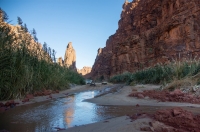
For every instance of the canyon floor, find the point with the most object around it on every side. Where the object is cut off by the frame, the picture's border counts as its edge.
(138, 121)
(144, 119)
(60, 94)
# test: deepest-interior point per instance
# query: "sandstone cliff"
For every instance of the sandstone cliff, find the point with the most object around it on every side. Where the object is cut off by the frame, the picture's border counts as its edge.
(150, 32)
(60, 61)
(85, 71)
(22, 38)
(70, 57)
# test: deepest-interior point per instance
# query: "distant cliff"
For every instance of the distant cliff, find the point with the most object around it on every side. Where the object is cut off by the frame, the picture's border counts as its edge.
(85, 71)
(150, 32)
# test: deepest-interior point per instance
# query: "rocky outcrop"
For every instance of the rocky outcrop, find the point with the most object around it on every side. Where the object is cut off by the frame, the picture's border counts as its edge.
(70, 57)
(60, 61)
(84, 71)
(151, 32)
(21, 38)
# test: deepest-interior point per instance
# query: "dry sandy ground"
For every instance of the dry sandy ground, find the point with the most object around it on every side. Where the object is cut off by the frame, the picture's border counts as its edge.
(64, 93)
(121, 98)
(119, 124)
(123, 124)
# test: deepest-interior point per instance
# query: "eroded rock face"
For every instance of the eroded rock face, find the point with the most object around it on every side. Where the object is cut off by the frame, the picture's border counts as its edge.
(22, 38)
(151, 32)
(85, 70)
(70, 57)
(60, 61)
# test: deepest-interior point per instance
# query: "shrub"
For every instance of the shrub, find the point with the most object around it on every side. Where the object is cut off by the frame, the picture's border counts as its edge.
(160, 74)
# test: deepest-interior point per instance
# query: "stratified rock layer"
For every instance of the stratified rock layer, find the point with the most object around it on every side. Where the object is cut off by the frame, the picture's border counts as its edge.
(151, 32)
(70, 57)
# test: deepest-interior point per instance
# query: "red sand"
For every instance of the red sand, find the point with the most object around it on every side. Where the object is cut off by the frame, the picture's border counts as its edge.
(176, 119)
(171, 120)
(175, 96)
(180, 119)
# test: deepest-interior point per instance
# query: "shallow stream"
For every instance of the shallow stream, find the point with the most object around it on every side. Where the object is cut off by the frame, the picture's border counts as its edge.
(62, 113)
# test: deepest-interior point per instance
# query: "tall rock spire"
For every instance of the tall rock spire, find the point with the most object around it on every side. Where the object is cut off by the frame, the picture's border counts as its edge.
(70, 57)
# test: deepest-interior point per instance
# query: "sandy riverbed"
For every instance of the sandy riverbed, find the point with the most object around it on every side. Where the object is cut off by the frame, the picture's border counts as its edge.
(119, 124)
(121, 98)
(64, 93)
(124, 124)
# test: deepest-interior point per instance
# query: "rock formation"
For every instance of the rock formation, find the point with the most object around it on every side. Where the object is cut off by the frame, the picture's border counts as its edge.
(151, 32)
(60, 61)
(21, 38)
(70, 57)
(85, 70)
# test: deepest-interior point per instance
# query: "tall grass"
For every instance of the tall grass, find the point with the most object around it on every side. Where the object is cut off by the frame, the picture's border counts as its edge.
(160, 74)
(25, 67)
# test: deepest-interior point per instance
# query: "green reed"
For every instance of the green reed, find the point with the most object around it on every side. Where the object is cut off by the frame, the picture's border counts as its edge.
(160, 74)
(25, 67)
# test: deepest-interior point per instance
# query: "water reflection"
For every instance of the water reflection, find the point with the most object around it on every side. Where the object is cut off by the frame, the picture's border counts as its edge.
(50, 115)
(64, 113)
(80, 113)
(69, 112)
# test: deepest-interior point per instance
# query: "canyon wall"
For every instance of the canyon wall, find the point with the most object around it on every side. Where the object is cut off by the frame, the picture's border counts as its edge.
(150, 32)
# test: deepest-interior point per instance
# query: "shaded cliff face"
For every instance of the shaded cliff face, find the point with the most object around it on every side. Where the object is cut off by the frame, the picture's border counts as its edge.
(151, 32)
(70, 57)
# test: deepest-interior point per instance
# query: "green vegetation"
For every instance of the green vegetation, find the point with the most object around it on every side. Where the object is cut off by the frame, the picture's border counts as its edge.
(160, 74)
(26, 67)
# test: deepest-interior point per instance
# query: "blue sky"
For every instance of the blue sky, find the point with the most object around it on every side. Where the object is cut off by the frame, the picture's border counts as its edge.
(85, 23)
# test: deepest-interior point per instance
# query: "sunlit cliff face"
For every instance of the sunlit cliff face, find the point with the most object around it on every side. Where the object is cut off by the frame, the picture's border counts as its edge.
(150, 32)
(70, 57)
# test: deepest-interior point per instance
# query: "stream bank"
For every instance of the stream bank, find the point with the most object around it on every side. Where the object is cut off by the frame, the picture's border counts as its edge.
(85, 108)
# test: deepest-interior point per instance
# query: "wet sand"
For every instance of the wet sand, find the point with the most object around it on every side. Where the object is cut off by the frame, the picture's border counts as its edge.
(119, 124)
(124, 124)
(117, 98)
(122, 98)
(64, 93)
